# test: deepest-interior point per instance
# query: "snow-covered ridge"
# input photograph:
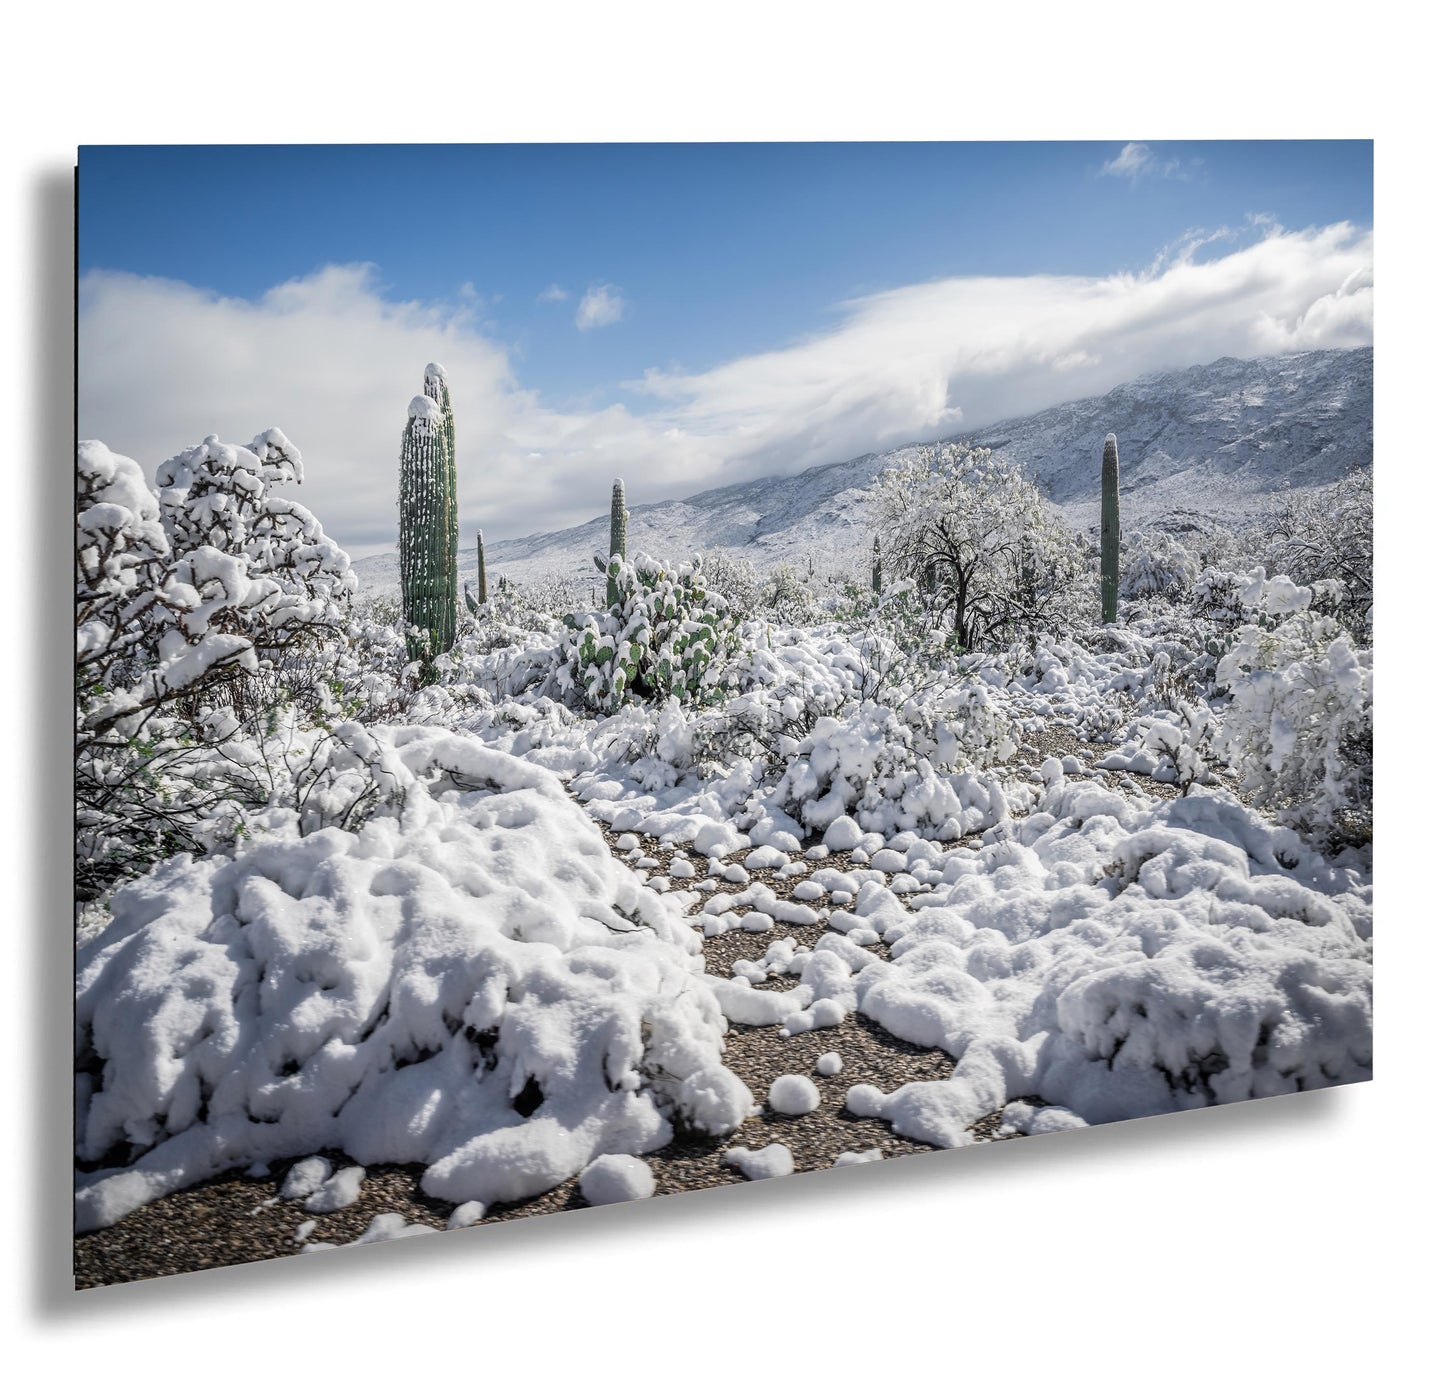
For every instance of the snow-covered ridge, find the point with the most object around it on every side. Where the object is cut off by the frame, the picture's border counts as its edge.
(1207, 439)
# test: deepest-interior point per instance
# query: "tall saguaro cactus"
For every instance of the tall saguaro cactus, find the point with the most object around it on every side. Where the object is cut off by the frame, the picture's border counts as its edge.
(619, 535)
(475, 602)
(435, 388)
(877, 567)
(1109, 531)
(427, 544)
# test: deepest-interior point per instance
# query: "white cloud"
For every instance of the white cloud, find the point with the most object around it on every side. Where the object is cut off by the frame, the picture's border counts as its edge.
(554, 293)
(600, 306)
(333, 363)
(1137, 160)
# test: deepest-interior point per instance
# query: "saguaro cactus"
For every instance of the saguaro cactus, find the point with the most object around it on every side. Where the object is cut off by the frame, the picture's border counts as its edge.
(1109, 531)
(476, 602)
(877, 567)
(435, 388)
(619, 535)
(427, 545)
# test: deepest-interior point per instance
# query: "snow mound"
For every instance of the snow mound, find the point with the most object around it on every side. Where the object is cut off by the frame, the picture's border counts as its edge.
(616, 1179)
(767, 1163)
(1118, 962)
(470, 982)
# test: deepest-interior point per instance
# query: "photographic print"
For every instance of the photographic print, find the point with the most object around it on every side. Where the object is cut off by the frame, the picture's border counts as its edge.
(612, 670)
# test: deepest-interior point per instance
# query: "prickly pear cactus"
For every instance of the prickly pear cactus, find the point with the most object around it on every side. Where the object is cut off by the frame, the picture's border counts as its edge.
(666, 635)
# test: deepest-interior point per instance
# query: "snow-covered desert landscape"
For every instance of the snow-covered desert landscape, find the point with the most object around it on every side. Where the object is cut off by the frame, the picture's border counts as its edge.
(908, 803)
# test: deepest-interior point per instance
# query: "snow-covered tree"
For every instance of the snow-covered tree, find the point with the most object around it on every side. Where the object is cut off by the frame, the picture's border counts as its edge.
(981, 542)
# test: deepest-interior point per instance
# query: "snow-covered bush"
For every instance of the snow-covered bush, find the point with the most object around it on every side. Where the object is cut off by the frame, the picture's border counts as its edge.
(1299, 723)
(666, 635)
(785, 597)
(982, 544)
(880, 768)
(1117, 961)
(1329, 534)
(1156, 564)
(201, 618)
(468, 981)
(735, 580)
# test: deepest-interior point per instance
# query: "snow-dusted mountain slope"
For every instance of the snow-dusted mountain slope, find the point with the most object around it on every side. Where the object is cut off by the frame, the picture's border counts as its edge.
(1208, 439)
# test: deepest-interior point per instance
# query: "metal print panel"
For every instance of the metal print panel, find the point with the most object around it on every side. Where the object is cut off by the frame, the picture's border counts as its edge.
(609, 671)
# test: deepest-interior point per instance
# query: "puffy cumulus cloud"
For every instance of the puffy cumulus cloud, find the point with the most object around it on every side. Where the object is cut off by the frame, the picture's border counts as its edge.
(601, 305)
(332, 362)
(1137, 160)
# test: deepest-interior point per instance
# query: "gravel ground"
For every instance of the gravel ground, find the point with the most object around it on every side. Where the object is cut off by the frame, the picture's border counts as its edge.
(235, 1218)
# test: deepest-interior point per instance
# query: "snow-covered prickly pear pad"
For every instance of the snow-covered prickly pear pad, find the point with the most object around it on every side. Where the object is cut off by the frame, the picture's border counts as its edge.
(468, 981)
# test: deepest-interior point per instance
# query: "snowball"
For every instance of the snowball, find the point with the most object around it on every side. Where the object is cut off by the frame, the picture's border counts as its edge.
(828, 1064)
(864, 1099)
(464, 1215)
(768, 1163)
(859, 1157)
(615, 1179)
(305, 1177)
(340, 1191)
(793, 1095)
(843, 834)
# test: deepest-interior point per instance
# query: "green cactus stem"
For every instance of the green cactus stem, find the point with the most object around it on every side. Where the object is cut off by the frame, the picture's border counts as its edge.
(475, 602)
(426, 560)
(619, 537)
(435, 388)
(1109, 531)
(877, 567)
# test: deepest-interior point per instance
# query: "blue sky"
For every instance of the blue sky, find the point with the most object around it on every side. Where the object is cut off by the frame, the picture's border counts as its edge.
(762, 307)
(714, 251)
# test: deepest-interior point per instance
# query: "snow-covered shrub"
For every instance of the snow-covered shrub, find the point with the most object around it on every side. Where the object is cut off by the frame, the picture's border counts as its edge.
(1156, 564)
(982, 544)
(1329, 534)
(468, 981)
(1117, 961)
(880, 768)
(735, 580)
(667, 634)
(201, 618)
(1299, 722)
(786, 598)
